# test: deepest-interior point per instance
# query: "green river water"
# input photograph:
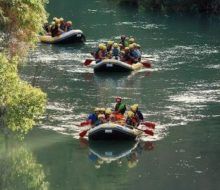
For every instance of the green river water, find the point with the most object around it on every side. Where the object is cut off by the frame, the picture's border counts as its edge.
(181, 93)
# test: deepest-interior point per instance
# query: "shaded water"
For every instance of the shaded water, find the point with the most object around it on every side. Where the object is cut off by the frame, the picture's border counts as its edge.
(181, 94)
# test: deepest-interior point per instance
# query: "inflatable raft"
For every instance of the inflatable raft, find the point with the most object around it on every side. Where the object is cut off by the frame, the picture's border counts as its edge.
(113, 131)
(113, 65)
(73, 36)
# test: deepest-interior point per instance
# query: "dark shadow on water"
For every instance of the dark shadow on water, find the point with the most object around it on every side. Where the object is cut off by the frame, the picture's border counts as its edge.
(111, 75)
(128, 152)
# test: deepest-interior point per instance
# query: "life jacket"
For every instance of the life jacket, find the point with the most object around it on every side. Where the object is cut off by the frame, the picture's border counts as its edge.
(93, 118)
(54, 30)
(138, 116)
(96, 54)
(63, 26)
(120, 107)
(124, 43)
(115, 52)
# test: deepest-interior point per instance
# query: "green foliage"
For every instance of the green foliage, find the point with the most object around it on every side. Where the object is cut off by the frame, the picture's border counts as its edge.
(22, 21)
(19, 170)
(23, 102)
(20, 103)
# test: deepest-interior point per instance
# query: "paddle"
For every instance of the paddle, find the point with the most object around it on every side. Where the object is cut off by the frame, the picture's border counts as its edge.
(85, 123)
(149, 124)
(146, 131)
(83, 133)
(88, 62)
(146, 63)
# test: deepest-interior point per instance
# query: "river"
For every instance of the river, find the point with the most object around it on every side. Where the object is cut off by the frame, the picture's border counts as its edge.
(181, 94)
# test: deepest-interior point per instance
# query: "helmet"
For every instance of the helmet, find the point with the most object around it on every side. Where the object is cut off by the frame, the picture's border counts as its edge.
(55, 18)
(101, 116)
(102, 109)
(57, 21)
(126, 48)
(97, 109)
(134, 107)
(61, 19)
(115, 45)
(138, 45)
(135, 45)
(131, 40)
(52, 23)
(131, 46)
(108, 111)
(123, 37)
(118, 99)
(69, 23)
(100, 46)
(130, 114)
(104, 47)
(110, 42)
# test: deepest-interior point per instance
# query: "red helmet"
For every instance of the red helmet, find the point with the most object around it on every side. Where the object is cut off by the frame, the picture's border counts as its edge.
(118, 99)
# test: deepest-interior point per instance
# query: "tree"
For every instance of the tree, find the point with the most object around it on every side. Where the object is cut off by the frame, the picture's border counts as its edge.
(20, 103)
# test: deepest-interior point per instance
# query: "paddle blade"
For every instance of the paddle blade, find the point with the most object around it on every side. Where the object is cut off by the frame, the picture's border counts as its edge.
(146, 64)
(88, 62)
(149, 132)
(149, 124)
(85, 123)
(83, 133)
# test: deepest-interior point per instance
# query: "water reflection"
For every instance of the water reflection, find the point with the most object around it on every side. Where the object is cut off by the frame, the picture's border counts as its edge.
(126, 153)
(19, 169)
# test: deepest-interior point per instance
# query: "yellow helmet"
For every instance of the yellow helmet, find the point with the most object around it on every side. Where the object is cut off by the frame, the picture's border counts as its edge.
(134, 44)
(100, 46)
(57, 21)
(134, 107)
(102, 109)
(55, 18)
(108, 111)
(131, 46)
(61, 19)
(97, 109)
(104, 47)
(110, 42)
(130, 114)
(115, 45)
(101, 116)
(131, 40)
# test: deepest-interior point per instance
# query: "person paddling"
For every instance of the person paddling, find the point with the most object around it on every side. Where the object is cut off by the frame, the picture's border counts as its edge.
(119, 107)
(137, 113)
(93, 117)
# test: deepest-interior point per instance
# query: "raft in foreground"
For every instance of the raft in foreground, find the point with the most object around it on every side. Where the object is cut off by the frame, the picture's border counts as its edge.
(73, 36)
(113, 131)
(113, 65)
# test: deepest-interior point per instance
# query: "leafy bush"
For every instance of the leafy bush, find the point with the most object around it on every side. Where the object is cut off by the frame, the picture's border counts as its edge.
(20, 103)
